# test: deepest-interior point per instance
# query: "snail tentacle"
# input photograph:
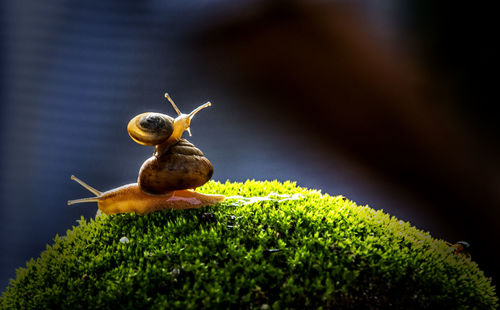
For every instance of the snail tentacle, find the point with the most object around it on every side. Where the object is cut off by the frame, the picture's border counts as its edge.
(173, 104)
(90, 188)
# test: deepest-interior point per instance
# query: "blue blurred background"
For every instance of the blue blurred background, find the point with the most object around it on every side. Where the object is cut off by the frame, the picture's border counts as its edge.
(386, 103)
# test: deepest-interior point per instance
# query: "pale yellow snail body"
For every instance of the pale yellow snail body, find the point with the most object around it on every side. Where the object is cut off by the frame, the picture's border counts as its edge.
(168, 178)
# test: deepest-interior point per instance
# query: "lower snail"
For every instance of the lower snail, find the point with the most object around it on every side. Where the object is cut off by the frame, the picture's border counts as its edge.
(168, 178)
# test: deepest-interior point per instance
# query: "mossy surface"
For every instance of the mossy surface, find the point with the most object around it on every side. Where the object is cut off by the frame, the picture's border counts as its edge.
(317, 251)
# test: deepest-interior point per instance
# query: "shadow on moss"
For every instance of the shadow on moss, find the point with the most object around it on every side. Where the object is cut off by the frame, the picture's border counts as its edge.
(318, 251)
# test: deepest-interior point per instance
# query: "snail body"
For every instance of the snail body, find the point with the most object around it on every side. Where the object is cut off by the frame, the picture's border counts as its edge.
(130, 198)
(168, 178)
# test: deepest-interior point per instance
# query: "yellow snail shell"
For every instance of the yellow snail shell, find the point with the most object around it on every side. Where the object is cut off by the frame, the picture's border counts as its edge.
(150, 128)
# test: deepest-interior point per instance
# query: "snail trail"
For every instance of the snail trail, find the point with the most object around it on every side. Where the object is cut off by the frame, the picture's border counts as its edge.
(238, 200)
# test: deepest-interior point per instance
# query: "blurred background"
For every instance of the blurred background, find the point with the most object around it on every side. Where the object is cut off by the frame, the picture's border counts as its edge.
(388, 103)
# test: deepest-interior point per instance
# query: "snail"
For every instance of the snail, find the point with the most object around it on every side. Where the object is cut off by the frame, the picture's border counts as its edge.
(461, 247)
(168, 178)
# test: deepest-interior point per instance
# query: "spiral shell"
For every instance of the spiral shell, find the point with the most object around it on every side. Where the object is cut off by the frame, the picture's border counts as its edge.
(150, 128)
(182, 166)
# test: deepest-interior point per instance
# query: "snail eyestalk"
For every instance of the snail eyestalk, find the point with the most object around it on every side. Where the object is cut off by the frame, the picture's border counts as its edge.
(88, 187)
(173, 104)
(191, 115)
(201, 107)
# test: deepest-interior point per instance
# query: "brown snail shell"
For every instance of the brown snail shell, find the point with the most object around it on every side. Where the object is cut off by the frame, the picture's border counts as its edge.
(182, 166)
(150, 128)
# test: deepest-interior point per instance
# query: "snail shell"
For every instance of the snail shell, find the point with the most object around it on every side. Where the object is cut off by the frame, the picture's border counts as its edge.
(181, 166)
(150, 128)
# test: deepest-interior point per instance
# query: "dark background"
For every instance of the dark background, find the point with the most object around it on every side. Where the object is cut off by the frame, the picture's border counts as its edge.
(389, 104)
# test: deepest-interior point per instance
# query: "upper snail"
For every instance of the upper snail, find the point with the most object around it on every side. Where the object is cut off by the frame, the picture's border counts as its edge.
(165, 179)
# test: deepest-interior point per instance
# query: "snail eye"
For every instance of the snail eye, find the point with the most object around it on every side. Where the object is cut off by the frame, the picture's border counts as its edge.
(150, 128)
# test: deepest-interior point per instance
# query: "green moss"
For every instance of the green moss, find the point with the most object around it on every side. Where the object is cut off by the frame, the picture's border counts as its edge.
(318, 251)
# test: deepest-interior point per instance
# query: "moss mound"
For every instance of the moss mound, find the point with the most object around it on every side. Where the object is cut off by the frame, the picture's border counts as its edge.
(317, 251)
